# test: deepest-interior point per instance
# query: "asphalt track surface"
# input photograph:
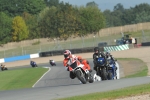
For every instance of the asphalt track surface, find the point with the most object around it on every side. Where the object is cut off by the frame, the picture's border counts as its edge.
(57, 84)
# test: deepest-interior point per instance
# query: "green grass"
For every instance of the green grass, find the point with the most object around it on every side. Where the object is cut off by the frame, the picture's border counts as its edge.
(110, 95)
(142, 72)
(20, 78)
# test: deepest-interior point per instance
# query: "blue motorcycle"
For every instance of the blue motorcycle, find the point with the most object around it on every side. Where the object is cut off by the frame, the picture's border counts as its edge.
(33, 64)
(112, 70)
(102, 68)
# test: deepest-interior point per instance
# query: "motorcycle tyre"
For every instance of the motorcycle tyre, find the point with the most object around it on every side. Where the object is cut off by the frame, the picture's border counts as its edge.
(110, 76)
(80, 76)
(104, 74)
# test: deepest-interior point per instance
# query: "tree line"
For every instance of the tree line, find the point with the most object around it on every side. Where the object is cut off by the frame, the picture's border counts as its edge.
(30, 19)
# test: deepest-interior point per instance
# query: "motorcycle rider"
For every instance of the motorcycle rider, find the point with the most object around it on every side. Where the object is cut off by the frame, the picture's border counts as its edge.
(52, 61)
(3, 67)
(96, 55)
(110, 57)
(33, 63)
(70, 60)
(85, 62)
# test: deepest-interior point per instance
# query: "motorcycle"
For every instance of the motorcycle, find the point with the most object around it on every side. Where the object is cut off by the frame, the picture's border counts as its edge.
(102, 68)
(52, 63)
(4, 68)
(33, 64)
(81, 73)
(112, 70)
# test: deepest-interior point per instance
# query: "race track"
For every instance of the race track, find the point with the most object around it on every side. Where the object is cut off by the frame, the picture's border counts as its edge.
(57, 84)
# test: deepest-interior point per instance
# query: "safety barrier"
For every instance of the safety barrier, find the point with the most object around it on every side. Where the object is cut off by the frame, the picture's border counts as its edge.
(60, 52)
(74, 51)
(116, 48)
(16, 58)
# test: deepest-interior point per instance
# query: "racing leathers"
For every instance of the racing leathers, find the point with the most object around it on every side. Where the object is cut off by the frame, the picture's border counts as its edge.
(70, 61)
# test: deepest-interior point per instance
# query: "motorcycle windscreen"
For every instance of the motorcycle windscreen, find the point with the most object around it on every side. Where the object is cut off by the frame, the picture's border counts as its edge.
(101, 61)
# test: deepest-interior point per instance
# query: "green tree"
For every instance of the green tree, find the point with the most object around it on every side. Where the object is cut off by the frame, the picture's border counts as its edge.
(5, 28)
(65, 20)
(20, 30)
(51, 3)
(17, 7)
(108, 17)
(142, 17)
(119, 7)
(32, 24)
(92, 4)
(58, 21)
(48, 22)
(92, 20)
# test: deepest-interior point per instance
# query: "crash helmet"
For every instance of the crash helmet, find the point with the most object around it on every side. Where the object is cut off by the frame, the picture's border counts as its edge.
(67, 53)
(107, 53)
(96, 49)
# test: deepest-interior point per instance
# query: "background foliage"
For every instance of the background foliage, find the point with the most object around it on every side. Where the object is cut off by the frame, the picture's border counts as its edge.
(27, 19)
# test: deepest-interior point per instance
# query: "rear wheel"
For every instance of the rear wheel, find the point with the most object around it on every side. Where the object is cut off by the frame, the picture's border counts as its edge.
(110, 76)
(80, 76)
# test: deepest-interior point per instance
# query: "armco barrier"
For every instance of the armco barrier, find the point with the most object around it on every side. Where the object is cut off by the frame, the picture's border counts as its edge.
(16, 58)
(34, 55)
(2, 60)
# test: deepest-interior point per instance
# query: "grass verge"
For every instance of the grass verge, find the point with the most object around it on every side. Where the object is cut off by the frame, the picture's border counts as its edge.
(139, 73)
(20, 78)
(120, 93)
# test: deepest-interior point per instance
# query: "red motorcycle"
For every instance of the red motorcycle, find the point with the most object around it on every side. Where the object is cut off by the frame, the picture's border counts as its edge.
(81, 73)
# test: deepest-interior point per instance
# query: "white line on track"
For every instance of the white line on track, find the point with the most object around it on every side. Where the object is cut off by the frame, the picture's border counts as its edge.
(42, 76)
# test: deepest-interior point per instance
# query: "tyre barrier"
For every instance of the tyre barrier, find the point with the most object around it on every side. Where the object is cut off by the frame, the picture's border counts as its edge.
(145, 44)
(74, 51)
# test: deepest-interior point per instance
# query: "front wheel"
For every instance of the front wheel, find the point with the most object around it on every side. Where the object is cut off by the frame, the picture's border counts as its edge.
(104, 74)
(80, 76)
